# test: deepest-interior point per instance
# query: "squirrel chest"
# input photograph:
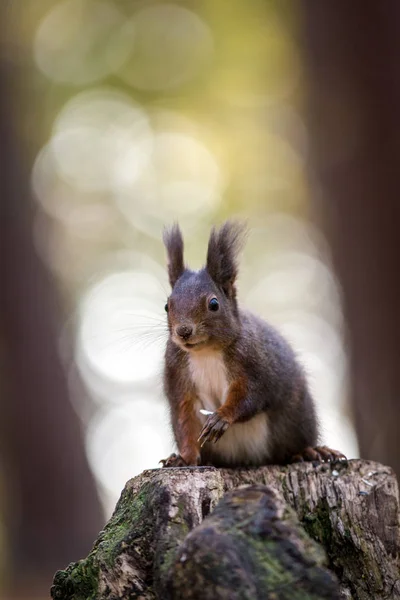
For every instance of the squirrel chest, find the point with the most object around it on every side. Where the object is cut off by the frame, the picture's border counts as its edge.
(242, 442)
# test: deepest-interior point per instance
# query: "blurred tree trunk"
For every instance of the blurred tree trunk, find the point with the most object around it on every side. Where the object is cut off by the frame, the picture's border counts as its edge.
(52, 507)
(352, 54)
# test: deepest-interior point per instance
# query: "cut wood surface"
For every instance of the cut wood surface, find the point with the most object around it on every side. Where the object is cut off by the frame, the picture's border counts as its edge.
(166, 538)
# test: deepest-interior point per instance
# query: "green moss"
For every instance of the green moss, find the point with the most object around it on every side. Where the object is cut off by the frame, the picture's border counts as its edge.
(168, 560)
(80, 581)
(127, 517)
(318, 524)
(178, 529)
(275, 573)
(341, 549)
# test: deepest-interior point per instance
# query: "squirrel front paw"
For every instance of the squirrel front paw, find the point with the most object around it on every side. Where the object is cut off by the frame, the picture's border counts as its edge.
(176, 460)
(213, 429)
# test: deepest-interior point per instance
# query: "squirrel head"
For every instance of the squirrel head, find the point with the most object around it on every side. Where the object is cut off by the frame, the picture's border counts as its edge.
(202, 308)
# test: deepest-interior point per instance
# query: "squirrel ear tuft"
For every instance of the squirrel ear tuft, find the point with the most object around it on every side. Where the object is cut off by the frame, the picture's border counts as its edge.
(173, 242)
(222, 256)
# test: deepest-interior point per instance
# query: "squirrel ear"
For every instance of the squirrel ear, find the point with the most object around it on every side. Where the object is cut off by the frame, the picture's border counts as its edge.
(173, 242)
(222, 255)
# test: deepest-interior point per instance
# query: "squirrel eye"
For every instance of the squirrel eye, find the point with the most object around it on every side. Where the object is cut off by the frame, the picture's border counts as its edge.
(213, 304)
(166, 307)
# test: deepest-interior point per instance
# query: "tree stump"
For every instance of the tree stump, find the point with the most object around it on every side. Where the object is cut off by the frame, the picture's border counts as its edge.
(322, 530)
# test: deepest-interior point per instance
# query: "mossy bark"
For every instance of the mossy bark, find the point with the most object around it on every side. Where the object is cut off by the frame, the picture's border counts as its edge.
(251, 547)
(167, 533)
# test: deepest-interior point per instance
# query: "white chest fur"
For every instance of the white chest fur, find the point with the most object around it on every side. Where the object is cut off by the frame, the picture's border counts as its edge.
(245, 442)
(209, 376)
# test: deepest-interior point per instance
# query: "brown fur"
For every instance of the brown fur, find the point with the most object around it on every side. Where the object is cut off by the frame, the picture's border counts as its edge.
(188, 430)
(234, 408)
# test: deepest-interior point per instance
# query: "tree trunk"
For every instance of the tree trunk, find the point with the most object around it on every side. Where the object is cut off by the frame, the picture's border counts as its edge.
(174, 534)
(352, 53)
(52, 509)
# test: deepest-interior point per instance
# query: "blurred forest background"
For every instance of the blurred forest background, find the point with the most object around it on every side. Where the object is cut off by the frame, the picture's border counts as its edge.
(118, 117)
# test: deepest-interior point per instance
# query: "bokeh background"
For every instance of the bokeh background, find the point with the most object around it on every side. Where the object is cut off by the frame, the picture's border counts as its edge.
(155, 112)
(131, 115)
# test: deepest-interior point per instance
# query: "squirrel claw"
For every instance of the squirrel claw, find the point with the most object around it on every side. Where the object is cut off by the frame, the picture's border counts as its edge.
(318, 454)
(213, 429)
(327, 454)
(175, 460)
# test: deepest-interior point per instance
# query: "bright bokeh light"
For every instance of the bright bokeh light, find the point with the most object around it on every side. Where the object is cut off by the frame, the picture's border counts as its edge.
(99, 135)
(75, 42)
(320, 350)
(140, 442)
(122, 326)
(171, 46)
(77, 209)
(182, 180)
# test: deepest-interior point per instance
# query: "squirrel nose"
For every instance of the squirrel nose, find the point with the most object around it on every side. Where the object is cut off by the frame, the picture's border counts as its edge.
(184, 331)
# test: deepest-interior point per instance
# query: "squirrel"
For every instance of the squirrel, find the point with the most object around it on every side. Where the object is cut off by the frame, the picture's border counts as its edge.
(237, 394)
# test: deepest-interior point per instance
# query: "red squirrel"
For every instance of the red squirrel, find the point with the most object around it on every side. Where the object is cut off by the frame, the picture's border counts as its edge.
(237, 394)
